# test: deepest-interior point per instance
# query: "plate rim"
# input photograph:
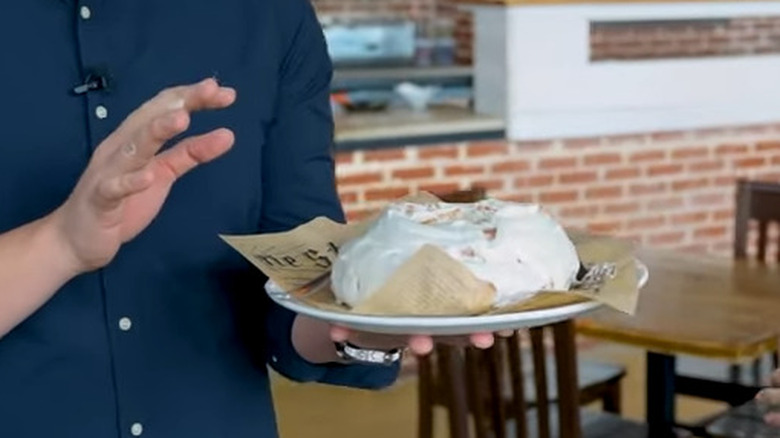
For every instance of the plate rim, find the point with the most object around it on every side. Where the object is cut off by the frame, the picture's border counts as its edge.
(389, 322)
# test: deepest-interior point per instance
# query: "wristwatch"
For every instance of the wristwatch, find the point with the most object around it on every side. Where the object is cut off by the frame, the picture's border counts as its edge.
(354, 354)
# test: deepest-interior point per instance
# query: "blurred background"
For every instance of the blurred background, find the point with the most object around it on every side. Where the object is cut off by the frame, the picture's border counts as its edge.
(626, 118)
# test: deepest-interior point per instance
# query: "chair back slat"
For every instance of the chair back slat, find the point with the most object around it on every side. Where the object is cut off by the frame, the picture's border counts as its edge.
(451, 370)
(539, 353)
(425, 394)
(763, 228)
(475, 385)
(777, 245)
(495, 371)
(515, 358)
(760, 202)
(566, 372)
(742, 219)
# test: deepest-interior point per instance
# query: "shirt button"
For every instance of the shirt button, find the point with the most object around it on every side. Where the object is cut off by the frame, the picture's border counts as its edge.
(137, 429)
(101, 112)
(85, 13)
(125, 324)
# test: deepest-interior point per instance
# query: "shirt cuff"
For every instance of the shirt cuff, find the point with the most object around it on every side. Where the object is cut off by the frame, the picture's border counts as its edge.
(285, 360)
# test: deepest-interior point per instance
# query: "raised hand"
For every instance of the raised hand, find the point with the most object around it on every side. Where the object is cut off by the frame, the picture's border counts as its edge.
(127, 179)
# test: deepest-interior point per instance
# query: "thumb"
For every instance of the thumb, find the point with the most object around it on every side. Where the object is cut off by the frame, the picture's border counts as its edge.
(339, 334)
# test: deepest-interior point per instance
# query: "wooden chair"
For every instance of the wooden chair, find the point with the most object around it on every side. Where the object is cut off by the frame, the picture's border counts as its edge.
(487, 394)
(473, 194)
(760, 202)
(598, 382)
(757, 202)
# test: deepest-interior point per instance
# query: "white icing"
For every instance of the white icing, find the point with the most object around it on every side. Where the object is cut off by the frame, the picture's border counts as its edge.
(516, 247)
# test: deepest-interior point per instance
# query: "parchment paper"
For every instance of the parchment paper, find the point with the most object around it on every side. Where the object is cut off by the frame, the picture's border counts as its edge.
(431, 282)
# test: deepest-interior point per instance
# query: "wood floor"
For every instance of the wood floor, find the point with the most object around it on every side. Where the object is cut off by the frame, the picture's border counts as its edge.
(327, 412)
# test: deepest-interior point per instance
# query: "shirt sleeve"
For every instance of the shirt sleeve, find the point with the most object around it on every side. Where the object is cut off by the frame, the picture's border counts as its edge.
(299, 184)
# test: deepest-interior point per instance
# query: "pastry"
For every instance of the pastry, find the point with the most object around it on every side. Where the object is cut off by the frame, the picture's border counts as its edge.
(517, 248)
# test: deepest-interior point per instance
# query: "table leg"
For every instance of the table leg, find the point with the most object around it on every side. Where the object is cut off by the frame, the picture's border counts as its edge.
(660, 395)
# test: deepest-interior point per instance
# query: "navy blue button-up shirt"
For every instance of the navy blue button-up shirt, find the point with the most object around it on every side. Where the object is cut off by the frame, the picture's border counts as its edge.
(172, 338)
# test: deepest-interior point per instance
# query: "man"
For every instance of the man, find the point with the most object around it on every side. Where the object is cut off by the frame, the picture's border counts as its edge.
(122, 314)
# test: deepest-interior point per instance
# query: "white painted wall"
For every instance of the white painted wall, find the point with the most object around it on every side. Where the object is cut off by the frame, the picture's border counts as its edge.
(552, 90)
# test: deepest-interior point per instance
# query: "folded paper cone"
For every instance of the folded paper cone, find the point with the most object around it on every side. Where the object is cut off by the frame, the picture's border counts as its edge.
(429, 283)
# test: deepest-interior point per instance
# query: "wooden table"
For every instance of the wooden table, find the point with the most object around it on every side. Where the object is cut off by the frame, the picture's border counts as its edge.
(695, 305)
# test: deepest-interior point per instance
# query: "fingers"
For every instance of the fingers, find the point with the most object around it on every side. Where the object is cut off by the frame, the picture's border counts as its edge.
(776, 378)
(206, 94)
(203, 95)
(339, 334)
(113, 190)
(772, 419)
(137, 152)
(193, 151)
(769, 397)
(482, 340)
(161, 129)
(421, 345)
(135, 144)
(368, 340)
(135, 175)
(158, 120)
(505, 333)
(479, 340)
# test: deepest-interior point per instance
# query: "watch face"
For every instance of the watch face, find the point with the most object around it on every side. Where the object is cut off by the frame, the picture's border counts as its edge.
(356, 354)
(370, 356)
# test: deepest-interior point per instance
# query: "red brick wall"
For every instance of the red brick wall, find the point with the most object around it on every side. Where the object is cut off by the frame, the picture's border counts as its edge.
(666, 189)
(464, 38)
(684, 38)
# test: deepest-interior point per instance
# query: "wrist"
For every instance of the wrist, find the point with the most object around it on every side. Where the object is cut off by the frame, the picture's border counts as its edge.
(315, 343)
(311, 340)
(52, 238)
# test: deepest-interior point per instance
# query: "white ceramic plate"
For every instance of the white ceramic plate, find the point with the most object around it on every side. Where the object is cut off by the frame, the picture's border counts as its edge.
(442, 325)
